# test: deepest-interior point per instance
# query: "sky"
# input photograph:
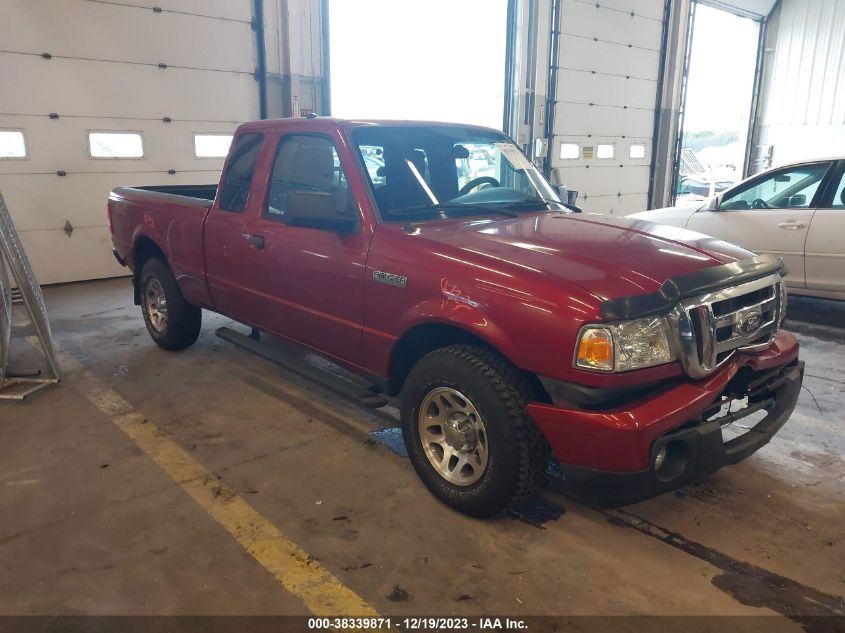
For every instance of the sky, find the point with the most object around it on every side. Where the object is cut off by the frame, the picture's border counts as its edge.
(721, 77)
(400, 59)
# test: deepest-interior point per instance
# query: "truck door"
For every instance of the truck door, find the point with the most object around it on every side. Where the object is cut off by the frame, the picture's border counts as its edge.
(228, 245)
(770, 214)
(308, 282)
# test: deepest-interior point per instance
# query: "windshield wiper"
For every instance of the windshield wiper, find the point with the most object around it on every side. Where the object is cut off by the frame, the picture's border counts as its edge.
(530, 204)
(451, 209)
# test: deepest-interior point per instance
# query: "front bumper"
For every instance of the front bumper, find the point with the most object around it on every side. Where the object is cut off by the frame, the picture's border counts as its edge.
(622, 443)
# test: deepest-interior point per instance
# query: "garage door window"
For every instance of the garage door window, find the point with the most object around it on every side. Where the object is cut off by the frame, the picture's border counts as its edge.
(212, 145)
(234, 187)
(115, 145)
(12, 144)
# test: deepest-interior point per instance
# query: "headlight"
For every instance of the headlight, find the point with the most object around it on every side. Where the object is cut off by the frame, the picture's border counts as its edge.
(624, 346)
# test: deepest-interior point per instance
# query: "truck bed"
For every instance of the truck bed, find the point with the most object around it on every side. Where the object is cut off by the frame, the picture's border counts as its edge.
(171, 218)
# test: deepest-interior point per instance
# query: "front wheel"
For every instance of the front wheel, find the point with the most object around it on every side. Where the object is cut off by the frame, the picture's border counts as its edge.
(468, 432)
(172, 322)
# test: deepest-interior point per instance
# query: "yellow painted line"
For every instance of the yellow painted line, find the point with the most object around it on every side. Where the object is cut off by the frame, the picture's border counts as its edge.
(312, 583)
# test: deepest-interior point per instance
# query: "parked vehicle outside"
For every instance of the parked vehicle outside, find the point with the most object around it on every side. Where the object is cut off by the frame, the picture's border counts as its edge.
(509, 327)
(795, 212)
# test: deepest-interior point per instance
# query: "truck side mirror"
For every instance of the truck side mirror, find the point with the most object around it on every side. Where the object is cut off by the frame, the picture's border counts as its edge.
(568, 198)
(318, 210)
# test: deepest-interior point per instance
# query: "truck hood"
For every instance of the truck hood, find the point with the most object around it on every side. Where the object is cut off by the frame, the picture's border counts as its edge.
(606, 256)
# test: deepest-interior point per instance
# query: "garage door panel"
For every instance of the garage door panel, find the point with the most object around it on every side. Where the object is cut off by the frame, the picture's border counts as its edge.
(106, 31)
(603, 180)
(102, 89)
(605, 90)
(630, 203)
(87, 255)
(577, 118)
(586, 19)
(227, 9)
(61, 144)
(606, 58)
(46, 202)
(650, 9)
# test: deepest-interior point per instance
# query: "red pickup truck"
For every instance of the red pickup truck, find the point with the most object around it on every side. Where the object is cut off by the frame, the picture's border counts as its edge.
(436, 261)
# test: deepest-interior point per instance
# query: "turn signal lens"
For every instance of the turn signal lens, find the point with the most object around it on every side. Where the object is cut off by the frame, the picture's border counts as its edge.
(595, 349)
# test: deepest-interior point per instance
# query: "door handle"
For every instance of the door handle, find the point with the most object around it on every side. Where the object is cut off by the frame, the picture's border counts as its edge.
(793, 225)
(256, 240)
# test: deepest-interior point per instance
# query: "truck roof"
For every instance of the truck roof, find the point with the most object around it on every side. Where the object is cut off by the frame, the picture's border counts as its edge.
(348, 124)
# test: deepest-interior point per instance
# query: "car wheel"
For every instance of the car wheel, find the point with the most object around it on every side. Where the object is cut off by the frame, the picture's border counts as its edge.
(172, 322)
(468, 432)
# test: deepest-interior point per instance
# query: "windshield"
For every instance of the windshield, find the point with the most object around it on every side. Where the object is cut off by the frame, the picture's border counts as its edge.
(441, 171)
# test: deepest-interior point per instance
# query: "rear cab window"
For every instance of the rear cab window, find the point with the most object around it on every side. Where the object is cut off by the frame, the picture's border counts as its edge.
(237, 175)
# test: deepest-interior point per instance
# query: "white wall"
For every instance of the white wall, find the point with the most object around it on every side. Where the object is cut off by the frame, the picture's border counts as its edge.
(802, 110)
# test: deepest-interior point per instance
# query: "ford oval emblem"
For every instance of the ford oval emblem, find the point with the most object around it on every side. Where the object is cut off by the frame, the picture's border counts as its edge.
(750, 322)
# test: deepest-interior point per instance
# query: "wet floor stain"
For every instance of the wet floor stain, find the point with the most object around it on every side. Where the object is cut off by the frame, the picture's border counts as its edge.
(751, 585)
(392, 439)
(538, 511)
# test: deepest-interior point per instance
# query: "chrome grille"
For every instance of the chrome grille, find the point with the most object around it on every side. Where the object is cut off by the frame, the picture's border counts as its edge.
(711, 327)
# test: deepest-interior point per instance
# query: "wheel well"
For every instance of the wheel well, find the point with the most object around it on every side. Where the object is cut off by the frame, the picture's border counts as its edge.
(145, 250)
(422, 339)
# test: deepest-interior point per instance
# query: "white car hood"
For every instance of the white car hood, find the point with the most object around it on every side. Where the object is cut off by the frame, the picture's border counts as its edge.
(674, 216)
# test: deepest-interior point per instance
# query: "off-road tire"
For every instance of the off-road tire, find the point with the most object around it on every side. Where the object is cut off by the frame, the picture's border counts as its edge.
(184, 320)
(517, 451)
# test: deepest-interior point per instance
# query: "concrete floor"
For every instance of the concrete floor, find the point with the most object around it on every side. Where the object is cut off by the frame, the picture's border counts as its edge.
(90, 524)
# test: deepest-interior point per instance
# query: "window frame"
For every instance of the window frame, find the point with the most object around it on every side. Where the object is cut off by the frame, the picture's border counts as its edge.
(194, 136)
(263, 214)
(772, 173)
(835, 179)
(26, 151)
(91, 156)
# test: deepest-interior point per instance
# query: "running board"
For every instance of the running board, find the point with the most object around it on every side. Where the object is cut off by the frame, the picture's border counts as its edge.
(366, 397)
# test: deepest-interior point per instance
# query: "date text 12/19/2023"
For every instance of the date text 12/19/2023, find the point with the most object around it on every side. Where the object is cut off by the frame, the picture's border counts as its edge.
(417, 623)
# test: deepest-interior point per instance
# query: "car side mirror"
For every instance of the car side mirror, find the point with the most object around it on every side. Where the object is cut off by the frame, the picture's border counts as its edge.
(713, 204)
(318, 210)
(798, 200)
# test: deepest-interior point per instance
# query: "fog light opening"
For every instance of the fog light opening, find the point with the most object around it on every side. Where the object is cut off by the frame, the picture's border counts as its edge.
(671, 460)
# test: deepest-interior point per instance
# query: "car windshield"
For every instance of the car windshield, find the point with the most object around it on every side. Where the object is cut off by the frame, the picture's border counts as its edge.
(432, 171)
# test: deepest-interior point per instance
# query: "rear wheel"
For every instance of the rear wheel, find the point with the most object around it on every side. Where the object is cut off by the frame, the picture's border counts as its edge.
(468, 432)
(172, 322)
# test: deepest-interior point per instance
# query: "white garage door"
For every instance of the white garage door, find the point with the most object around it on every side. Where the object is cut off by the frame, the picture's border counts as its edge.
(606, 96)
(158, 76)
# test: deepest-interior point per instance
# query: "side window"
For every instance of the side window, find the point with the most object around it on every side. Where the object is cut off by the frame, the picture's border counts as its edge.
(792, 188)
(308, 168)
(234, 186)
(838, 201)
